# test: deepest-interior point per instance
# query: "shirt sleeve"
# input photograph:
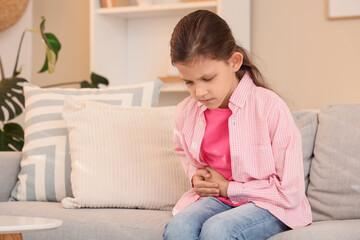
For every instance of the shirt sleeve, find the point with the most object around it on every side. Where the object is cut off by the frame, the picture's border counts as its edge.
(286, 187)
(179, 145)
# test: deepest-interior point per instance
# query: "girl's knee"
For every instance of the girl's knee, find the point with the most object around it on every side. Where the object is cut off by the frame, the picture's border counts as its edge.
(181, 228)
(217, 228)
(221, 227)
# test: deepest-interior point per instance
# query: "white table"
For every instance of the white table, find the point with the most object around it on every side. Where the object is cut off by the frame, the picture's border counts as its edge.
(11, 227)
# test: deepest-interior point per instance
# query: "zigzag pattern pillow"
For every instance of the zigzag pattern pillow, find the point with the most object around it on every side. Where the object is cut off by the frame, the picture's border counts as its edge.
(46, 164)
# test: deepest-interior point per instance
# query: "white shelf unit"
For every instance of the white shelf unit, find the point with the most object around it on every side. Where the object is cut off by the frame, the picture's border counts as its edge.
(158, 10)
(131, 44)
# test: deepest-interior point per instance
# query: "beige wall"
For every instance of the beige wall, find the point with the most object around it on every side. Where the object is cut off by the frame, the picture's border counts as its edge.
(309, 60)
(69, 21)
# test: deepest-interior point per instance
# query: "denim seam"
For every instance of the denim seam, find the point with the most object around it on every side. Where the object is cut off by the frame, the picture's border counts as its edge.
(253, 224)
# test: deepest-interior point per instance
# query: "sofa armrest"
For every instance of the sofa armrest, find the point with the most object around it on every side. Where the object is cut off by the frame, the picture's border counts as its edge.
(9, 169)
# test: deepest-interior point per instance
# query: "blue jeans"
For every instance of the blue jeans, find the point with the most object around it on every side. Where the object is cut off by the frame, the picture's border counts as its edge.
(210, 218)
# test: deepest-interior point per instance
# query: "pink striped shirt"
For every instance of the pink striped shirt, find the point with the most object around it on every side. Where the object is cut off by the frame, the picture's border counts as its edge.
(265, 150)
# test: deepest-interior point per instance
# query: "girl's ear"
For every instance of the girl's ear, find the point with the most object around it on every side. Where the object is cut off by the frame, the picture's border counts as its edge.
(235, 61)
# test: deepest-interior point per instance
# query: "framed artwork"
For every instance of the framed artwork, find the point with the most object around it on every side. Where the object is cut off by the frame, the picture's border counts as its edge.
(343, 9)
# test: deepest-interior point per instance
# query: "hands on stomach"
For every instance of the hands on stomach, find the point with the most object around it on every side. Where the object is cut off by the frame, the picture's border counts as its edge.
(210, 183)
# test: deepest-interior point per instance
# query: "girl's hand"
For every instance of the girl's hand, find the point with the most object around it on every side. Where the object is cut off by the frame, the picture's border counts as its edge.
(203, 187)
(216, 177)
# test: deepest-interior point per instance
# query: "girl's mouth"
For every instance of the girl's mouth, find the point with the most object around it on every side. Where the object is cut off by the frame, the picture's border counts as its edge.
(207, 100)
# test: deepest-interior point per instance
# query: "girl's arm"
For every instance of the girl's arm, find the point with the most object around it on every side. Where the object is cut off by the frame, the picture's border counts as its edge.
(180, 146)
(189, 169)
(286, 187)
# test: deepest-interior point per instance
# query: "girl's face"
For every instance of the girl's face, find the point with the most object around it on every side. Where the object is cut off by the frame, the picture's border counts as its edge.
(211, 82)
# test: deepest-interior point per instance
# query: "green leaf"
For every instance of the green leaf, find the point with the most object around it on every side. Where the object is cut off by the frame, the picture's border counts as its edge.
(11, 89)
(11, 137)
(52, 46)
(96, 80)
(86, 84)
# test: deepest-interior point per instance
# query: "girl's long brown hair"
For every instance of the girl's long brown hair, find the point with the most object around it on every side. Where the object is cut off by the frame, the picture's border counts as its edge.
(204, 34)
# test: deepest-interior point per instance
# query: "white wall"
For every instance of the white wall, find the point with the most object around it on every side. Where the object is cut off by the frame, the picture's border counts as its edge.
(146, 35)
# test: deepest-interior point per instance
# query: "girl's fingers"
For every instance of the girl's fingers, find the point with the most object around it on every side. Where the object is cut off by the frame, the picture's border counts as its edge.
(208, 192)
(204, 188)
(209, 195)
(200, 183)
(203, 173)
(204, 184)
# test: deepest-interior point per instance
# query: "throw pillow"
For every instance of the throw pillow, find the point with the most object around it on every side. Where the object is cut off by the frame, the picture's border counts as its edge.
(334, 187)
(122, 156)
(46, 166)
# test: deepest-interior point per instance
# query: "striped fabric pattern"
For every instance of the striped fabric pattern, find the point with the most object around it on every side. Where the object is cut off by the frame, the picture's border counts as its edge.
(122, 156)
(46, 165)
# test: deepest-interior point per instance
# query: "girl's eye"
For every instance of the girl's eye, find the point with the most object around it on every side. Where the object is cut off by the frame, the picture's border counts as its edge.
(207, 79)
(187, 82)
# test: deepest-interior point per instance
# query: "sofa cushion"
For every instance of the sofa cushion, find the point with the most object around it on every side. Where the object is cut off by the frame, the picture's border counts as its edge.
(306, 122)
(91, 224)
(122, 156)
(46, 152)
(325, 230)
(334, 188)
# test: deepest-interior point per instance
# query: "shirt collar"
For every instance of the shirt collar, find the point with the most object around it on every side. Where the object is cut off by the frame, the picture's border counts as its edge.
(242, 91)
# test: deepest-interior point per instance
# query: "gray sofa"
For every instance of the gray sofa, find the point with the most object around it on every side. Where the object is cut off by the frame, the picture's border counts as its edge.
(331, 153)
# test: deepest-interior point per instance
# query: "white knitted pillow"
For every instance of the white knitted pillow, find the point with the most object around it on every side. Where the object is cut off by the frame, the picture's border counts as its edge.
(122, 156)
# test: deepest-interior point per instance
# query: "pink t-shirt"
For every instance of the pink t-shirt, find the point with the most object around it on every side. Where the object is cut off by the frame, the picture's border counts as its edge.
(215, 147)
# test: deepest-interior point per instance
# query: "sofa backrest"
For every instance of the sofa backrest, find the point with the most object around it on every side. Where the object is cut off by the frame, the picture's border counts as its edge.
(9, 169)
(307, 123)
(334, 189)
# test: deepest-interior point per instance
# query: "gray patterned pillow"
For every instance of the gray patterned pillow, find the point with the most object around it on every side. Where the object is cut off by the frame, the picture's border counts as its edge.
(46, 165)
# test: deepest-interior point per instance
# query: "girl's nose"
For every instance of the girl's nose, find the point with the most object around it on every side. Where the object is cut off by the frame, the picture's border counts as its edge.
(200, 92)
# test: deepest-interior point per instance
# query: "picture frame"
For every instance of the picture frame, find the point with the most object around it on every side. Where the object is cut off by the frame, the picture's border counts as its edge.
(342, 9)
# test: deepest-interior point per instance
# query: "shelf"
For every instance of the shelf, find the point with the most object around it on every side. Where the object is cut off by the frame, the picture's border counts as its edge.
(173, 87)
(171, 79)
(158, 10)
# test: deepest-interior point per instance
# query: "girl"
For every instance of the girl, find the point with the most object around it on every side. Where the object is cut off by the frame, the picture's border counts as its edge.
(236, 139)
